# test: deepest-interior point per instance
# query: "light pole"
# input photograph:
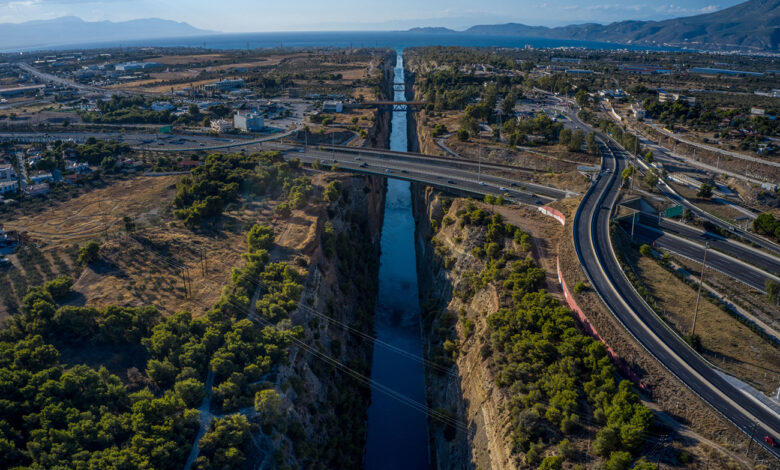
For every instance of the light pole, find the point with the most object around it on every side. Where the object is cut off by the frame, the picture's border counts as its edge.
(479, 166)
(698, 294)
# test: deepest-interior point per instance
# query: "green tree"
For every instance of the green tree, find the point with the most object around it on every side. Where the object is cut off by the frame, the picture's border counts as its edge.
(191, 391)
(260, 237)
(772, 291)
(89, 252)
(619, 460)
(463, 134)
(564, 137)
(333, 191)
(649, 157)
(552, 462)
(593, 146)
(269, 404)
(607, 440)
(576, 141)
(59, 287)
(651, 179)
(705, 191)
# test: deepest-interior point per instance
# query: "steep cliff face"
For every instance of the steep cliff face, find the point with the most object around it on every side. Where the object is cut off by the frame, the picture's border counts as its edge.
(326, 400)
(379, 135)
(463, 387)
(326, 406)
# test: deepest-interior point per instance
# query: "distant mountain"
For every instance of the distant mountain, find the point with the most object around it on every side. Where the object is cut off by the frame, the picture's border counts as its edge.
(752, 25)
(431, 30)
(67, 30)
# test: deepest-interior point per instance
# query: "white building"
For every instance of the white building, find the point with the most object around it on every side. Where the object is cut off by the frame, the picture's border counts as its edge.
(332, 107)
(248, 121)
(162, 106)
(7, 172)
(665, 96)
(41, 177)
(224, 85)
(221, 125)
(80, 168)
(8, 187)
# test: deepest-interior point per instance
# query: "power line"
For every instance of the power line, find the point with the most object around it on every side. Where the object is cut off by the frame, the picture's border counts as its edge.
(584, 418)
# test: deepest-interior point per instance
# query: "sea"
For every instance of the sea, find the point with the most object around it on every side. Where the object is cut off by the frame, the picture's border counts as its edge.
(347, 39)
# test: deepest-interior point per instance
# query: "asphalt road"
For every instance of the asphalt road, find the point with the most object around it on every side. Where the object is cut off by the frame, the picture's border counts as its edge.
(595, 252)
(440, 168)
(748, 254)
(728, 265)
(433, 173)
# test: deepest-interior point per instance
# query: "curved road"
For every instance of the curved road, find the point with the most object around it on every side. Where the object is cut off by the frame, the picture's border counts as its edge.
(594, 249)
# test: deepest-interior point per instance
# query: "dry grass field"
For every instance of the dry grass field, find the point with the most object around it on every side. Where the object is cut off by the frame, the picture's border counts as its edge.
(725, 341)
(93, 214)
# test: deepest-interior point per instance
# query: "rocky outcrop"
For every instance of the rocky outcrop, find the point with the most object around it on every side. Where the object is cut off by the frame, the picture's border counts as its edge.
(328, 406)
(464, 387)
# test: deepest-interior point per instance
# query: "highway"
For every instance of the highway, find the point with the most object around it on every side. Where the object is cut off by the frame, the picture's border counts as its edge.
(596, 254)
(443, 167)
(750, 255)
(728, 265)
(437, 174)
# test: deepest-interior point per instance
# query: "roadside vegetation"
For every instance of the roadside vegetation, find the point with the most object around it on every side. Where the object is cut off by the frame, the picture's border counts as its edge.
(560, 383)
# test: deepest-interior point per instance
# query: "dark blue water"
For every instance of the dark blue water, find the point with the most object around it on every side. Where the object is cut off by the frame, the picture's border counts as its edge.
(340, 39)
(397, 436)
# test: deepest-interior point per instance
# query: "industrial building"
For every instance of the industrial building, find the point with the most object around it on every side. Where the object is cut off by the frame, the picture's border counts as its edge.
(221, 126)
(248, 121)
(226, 85)
(332, 107)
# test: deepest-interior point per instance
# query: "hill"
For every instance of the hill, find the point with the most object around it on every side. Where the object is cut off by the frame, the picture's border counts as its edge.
(753, 25)
(68, 30)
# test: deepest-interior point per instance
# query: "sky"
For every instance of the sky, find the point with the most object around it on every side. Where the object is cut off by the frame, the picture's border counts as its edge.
(322, 15)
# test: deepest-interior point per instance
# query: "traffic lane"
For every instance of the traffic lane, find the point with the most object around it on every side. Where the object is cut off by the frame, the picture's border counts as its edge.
(441, 170)
(727, 265)
(429, 177)
(765, 261)
(470, 165)
(650, 332)
(753, 238)
(696, 367)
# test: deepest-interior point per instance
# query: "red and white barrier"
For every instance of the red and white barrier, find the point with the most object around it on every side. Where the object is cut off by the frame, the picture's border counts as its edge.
(591, 331)
(554, 213)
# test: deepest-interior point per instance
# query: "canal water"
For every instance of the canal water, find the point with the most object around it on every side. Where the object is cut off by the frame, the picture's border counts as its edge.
(397, 434)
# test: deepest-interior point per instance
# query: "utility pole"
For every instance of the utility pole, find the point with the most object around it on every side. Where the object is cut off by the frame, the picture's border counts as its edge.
(479, 166)
(661, 453)
(750, 442)
(633, 223)
(698, 293)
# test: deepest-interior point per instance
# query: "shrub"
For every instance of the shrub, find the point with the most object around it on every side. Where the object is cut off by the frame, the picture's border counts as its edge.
(59, 287)
(552, 462)
(646, 250)
(463, 135)
(89, 252)
(619, 460)
(260, 237)
(333, 191)
(580, 287)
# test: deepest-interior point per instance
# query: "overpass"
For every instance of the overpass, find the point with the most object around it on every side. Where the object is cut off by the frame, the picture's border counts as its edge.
(389, 105)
